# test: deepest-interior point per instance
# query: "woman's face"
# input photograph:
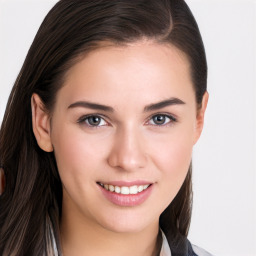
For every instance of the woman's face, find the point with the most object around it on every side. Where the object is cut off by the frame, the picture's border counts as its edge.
(126, 120)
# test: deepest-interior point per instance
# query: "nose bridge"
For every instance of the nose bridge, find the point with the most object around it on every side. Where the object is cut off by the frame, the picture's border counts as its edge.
(128, 152)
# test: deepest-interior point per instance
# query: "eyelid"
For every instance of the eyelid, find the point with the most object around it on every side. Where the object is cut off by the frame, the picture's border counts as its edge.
(82, 119)
(173, 119)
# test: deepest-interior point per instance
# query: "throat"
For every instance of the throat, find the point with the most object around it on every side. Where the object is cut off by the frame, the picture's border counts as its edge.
(98, 244)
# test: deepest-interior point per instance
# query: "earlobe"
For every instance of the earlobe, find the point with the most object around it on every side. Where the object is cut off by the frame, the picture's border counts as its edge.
(41, 124)
(200, 117)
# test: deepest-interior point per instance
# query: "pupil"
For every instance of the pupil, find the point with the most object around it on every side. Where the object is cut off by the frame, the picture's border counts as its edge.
(159, 119)
(94, 120)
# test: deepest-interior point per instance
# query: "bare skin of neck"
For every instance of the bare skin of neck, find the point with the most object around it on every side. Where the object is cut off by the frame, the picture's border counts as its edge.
(99, 245)
(84, 238)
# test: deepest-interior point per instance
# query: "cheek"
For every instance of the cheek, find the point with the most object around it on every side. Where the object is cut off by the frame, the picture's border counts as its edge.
(73, 155)
(79, 156)
(173, 151)
(172, 156)
(174, 163)
(177, 155)
(175, 166)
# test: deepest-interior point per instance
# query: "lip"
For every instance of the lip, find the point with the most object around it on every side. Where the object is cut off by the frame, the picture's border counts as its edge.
(127, 200)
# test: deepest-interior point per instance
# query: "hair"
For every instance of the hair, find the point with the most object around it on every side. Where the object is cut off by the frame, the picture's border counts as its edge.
(30, 206)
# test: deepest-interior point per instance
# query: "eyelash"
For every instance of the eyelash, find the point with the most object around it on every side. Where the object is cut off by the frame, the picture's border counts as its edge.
(84, 119)
(170, 122)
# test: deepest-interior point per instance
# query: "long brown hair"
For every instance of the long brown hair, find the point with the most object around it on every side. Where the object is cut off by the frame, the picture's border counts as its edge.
(30, 207)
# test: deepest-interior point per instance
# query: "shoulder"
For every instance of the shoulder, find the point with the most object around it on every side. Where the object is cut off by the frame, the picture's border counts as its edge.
(180, 247)
(199, 251)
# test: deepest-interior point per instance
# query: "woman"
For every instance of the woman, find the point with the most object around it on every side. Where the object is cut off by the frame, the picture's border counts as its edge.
(98, 132)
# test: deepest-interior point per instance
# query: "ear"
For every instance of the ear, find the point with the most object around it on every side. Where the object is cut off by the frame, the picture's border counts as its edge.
(200, 117)
(41, 124)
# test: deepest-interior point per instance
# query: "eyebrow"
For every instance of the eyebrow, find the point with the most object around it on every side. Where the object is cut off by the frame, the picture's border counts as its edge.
(164, 103)
(151, 107)
(95, 106)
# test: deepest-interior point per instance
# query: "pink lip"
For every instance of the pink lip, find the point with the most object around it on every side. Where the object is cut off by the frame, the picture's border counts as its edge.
(127, 200)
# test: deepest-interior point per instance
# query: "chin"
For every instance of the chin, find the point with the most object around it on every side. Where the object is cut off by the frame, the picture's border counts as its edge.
(126, 222)
(123, 228)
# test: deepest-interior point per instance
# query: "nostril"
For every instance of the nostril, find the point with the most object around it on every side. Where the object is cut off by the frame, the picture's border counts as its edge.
(2, 181)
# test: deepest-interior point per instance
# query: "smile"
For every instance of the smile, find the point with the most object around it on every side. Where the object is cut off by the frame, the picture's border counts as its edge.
(125, 190)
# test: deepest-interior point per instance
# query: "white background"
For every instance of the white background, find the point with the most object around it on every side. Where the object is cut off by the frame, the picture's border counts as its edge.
(224, 213)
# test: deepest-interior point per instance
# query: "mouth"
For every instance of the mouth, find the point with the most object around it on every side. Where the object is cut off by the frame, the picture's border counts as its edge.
(125, 190)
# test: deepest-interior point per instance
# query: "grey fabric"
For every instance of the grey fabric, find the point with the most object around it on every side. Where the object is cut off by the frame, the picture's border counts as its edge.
(165, 251)
(200, 252)
(193, 250)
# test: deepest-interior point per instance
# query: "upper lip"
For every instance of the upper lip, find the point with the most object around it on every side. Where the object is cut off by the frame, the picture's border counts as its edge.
(120, 183)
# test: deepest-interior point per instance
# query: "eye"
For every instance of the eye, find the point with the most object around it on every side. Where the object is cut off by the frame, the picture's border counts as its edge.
(93, 121)
(161, 119)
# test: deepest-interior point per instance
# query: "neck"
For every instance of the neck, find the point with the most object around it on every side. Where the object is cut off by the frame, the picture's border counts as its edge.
(84, 237)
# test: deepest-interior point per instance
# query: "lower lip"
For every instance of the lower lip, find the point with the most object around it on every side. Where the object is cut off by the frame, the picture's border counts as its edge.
(127, 200)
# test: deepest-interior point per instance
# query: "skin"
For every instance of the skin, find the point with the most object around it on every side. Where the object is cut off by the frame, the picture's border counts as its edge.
(127, 145)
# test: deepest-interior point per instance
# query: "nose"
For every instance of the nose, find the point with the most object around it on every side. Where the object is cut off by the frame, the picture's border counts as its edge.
(128, 151)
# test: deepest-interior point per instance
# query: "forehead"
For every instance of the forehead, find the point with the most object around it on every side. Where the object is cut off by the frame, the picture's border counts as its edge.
(138, 52)
(142, 69)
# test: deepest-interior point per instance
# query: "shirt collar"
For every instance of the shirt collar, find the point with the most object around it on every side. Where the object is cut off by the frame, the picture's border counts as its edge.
(165, 250)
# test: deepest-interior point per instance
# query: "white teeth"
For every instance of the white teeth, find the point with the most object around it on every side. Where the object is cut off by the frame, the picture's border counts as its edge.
(125, 190)
(140, 188)
(117, 189)
(111, 188)
(145, 186)
(133, 190)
